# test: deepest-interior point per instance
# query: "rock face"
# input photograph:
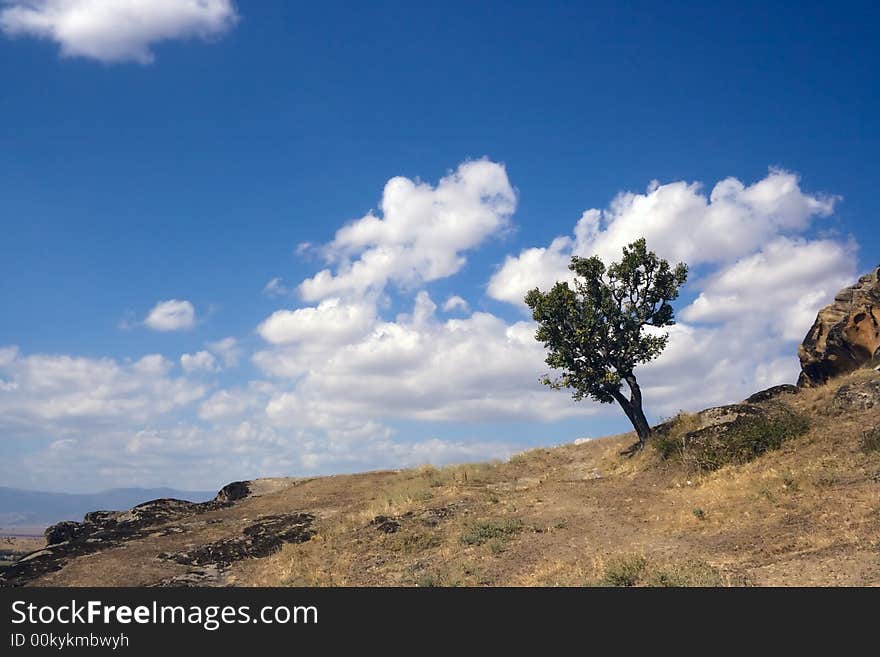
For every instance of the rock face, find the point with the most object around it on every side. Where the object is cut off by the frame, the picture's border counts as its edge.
(845, 335)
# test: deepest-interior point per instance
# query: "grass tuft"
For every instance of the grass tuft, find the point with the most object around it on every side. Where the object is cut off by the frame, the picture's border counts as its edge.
(870, 440)
(482, 531)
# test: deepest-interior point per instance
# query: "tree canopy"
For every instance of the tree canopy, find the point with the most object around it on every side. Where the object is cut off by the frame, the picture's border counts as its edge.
(594, 329)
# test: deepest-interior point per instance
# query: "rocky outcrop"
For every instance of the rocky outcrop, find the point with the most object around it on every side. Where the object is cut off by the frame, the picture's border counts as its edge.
(260, 539)
(102, 530)
(773, 393)
(726, 435)
(845, 335)
(857, 396)
(237, 490)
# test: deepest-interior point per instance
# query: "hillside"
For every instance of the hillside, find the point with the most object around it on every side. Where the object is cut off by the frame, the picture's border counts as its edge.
(807, 513)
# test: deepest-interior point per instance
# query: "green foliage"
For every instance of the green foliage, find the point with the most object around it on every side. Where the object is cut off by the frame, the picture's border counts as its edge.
(594, 331)
(669, 441)
(688, 574)
(699, 514)
(635, 570)
(740, 441)
(625, 571)
(491, 529)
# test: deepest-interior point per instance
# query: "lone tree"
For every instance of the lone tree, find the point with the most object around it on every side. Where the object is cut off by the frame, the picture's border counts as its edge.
(594, 332)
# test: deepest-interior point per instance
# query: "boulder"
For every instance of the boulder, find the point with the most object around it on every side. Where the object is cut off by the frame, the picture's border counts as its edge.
(845, 335)
(772, 393)
(237, 490)
(725, 435)
(63, 531)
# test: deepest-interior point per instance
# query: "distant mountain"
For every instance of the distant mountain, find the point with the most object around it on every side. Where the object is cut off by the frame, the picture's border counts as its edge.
(29, 508)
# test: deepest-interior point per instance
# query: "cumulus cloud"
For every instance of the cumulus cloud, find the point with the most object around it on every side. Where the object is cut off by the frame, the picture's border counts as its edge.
(340, 373)
(172, 315)
(780, 287)
(116, 30)
(199, 361)
(762, 283)
(421, 235)
(758, 283)
(331, 321)
(60, 392)
(679, 222)
(471, 369)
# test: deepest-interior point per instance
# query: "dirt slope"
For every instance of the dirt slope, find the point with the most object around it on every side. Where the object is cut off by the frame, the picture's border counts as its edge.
(807, 513)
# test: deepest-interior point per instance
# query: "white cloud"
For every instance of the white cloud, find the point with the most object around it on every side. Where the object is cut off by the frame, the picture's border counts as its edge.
(781, 286)
(340, 373)
(679, 222)
(455, 303)
(422, 234)
(225, 404)
(200, 361)
(116, 30)
(416, 367)
(58, 392)
(172, 315)
(226, 350)
(330, 322)
(762, 282)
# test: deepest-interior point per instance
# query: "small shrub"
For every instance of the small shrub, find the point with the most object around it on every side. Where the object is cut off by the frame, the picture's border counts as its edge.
(411, 542)
(870, 441)
(688, 574)
(668, 441)
(625, 571)
(699, 514)
(737, 442)
(428, 580)
(494, 528)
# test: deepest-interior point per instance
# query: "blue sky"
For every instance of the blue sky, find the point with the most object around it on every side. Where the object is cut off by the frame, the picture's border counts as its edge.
(184, 156)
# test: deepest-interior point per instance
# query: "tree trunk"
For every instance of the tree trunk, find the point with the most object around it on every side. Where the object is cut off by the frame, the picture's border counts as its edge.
(633, 409)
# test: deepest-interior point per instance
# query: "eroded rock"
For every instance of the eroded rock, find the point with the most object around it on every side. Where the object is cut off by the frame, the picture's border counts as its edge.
(845, 335)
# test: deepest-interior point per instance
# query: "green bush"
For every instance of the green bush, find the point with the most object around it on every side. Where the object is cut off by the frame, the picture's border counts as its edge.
(482, 531)
(625, 571)
(688, 574)
(740, 441)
